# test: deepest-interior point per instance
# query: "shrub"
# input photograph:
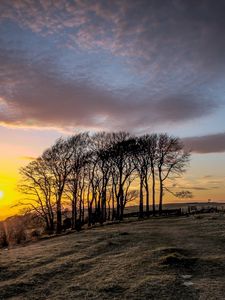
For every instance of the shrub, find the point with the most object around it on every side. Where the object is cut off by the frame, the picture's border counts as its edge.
(35, 233)
(3, 238)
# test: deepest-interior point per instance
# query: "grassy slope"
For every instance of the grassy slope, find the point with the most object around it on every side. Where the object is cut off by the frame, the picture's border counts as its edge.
(137, 260)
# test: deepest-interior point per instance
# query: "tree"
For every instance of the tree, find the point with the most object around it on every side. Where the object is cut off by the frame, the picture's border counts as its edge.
(142, 162)
(171, 161)
(36, 184)
(122, 166)
(78, 147)
(184, 195)
(93, 179)
(151, 148)
(57, 160)
(130, 196)
(101, 143)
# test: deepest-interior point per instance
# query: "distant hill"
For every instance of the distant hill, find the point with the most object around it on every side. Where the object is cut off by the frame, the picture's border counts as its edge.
(183, 205)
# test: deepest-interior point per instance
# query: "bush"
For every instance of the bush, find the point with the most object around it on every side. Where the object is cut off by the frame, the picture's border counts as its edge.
(35, 233)
(17, 235)
(3, 238)
(16, 232)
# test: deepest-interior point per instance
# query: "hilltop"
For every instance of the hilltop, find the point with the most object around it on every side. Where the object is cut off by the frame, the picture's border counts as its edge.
(162, 258)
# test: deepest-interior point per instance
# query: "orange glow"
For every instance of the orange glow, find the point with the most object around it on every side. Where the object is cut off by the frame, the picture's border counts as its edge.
(11, 160)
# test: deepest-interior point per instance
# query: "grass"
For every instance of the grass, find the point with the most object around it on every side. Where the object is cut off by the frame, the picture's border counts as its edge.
(161, 258)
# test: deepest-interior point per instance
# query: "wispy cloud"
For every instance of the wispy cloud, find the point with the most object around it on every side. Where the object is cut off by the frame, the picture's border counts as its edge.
(27, 157)
(195, 188)
(128, 28)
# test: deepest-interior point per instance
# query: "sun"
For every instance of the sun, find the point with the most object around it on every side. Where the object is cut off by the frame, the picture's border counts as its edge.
(1, 194)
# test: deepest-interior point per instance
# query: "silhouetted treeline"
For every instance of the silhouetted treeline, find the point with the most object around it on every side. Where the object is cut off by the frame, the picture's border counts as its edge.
(97, 175)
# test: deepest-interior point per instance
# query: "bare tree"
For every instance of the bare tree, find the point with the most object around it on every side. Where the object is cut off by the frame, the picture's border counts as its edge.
(185, 194)
(36, 184)
(78, 146)
(171, 161)
(101, 147)
(93, 188)
(122, 166)
(151, 149)
(130, 196)
(57, 160)
(142, 161)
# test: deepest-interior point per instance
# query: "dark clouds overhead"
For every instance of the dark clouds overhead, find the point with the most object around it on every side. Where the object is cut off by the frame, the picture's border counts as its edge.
(111, 64)
(206, 144)
(42, 98)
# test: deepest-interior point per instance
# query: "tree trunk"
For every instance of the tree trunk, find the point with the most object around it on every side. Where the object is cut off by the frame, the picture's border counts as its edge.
(59, 218)
(47, 224)
(109, 212)
(121, 203)
(58, 215)
(89, 214)
(83, 211)
(113, 205)
(73, 214)
(51, 224)
(118, 207)
(153, 190)
(160, 191)
(74, 204)
(103, 206)
(147, 196)
(141, 199)
(80, 209)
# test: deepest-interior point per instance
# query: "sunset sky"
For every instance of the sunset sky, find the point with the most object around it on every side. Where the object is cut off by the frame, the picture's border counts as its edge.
(142, 66)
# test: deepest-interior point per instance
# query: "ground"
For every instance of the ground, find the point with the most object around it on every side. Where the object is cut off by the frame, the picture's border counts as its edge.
(161, 258)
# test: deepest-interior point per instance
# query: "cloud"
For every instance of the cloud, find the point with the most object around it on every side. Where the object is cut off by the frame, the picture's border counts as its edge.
(30, 158)
(171, 52)
(207, 176)
(198, 188)
(36, 95)
(190, 187)
(213, 143)
(183, 30)
(183, 107)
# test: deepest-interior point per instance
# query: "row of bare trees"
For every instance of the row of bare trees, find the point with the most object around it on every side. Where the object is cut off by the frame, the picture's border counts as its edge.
(97, 175)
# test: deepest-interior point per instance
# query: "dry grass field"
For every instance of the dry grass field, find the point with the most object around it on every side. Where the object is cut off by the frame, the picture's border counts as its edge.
(161, 258)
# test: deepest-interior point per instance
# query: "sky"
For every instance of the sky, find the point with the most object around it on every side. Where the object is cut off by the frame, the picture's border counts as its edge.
(143, 66)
